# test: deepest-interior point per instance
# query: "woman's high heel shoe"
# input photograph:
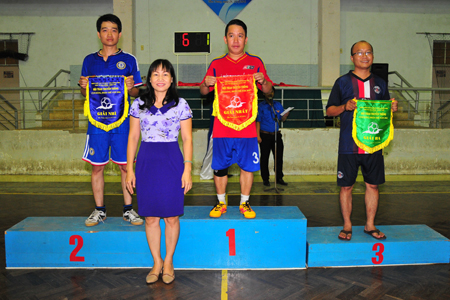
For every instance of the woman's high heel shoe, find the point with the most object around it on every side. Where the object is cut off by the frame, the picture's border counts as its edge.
(168, 278)
(152, 278)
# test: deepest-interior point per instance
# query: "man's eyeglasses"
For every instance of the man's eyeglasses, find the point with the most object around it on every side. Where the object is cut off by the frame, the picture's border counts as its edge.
(368, 53)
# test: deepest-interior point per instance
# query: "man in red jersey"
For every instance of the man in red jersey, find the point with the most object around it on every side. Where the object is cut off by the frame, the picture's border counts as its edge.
(231, 146)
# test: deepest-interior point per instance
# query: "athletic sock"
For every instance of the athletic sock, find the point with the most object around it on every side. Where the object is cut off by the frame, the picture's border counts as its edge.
(244, 198)
(127, 207)
(221, 198)
(102, 208)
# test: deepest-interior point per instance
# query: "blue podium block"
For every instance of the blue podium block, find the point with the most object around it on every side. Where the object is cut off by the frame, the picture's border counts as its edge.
(275, 239)
(405, 245)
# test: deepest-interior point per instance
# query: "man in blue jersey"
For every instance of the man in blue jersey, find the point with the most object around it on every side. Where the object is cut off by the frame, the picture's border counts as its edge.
(109, 61)
(360, 84)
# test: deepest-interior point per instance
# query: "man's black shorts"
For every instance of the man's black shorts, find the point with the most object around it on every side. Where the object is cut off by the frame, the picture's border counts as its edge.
(372, 168)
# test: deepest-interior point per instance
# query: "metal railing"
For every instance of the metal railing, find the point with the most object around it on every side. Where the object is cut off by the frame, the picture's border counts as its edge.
(6, 117)
(442, 112)
(428, 107)
(308, 110)
(31, 114)
(53, 80)
(414, 98)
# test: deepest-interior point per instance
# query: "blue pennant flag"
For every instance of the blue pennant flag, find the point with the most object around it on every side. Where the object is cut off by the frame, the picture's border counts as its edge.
(227, 10)
(106, 103)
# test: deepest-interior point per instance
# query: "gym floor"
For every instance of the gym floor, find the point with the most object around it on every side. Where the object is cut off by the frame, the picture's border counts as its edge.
(418, 199)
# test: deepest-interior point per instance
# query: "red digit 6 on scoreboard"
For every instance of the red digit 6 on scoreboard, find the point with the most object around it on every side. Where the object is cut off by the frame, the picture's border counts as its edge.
(73, 254)
(380, 248)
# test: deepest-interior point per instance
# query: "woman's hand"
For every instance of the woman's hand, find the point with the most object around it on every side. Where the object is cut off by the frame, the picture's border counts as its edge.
(186, 181)
(131, 182)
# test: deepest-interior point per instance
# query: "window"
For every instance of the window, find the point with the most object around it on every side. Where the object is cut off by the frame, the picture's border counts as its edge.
(441, 53)
(7, 48)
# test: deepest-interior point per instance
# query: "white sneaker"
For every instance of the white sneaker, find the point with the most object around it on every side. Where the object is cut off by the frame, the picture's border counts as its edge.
(132, 217)
(96, 217)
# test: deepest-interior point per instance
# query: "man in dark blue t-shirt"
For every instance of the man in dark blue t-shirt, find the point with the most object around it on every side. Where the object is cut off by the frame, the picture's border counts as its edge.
(360, 84)
(109, 61)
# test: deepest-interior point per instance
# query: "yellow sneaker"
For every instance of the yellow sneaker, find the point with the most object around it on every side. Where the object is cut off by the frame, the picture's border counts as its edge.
(219, 209)
(247, 211)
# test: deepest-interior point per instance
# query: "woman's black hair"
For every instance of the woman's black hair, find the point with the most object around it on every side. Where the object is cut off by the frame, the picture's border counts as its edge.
(148, 95)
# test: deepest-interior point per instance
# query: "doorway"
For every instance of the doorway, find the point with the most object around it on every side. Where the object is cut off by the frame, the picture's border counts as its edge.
(9, 78)
(441, 79)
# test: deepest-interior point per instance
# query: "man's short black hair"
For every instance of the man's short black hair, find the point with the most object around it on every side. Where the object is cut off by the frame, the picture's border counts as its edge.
(109, 18)
(362, 41)
(236, 22)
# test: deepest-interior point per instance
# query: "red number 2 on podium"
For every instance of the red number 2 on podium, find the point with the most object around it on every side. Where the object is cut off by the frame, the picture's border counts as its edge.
(380, 248)
(231, 242)
(73, 255)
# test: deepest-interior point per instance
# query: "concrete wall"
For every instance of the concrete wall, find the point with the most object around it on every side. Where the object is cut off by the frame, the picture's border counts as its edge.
(284, 33)
(287, 39)
(391, 26)
(307, 152)
(64, 33)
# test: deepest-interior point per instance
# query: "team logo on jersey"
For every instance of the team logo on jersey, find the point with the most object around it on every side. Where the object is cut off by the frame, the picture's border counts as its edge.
(377, 89)
(248, 67)
(91, 151)
(340, 175)
(121, 65)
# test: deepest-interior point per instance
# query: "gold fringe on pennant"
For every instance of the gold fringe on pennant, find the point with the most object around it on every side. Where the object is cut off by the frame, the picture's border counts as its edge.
(87, 111)
(378, 147)
(216, 110)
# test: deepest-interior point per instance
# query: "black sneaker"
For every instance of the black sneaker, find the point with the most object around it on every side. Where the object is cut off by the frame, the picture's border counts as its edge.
(281, 181)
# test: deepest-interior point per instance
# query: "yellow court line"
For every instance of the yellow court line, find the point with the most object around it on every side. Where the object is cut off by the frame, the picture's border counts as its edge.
(253, 194)
(224, 293)
(196, 178)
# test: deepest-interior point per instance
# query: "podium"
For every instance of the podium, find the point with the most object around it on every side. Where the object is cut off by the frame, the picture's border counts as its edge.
(405, 245)
(275, 239)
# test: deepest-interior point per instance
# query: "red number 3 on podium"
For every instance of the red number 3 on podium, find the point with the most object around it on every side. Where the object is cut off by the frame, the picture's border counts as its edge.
(380, 248)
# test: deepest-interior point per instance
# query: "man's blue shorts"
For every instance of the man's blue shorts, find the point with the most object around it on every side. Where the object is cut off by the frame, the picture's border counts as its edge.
(228, 151)
(96, 150)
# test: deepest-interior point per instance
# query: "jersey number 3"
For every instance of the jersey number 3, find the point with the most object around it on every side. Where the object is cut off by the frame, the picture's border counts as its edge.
(256, 160)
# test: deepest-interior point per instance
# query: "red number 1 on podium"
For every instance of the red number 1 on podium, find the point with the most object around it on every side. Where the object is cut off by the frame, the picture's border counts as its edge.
(231, 242)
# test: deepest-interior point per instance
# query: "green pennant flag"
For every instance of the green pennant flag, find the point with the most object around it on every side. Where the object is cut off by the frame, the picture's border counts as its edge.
(372, 124)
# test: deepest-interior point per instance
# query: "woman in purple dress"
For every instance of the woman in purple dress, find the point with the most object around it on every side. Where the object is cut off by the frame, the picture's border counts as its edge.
(162, 176)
